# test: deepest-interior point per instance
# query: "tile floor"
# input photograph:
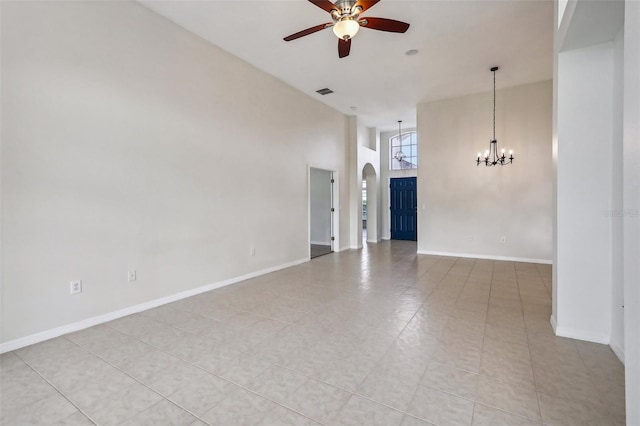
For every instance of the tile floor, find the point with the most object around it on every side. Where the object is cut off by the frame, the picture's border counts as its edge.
(318, 250)
(380, 336)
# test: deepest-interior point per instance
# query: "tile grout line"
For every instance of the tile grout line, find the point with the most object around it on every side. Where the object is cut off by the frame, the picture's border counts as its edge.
(307, 377)
(473, 411)
(364, 379)
(406, 325)
(164, 397)
(352, 393)
(403, 328)
(478, 373)
(526, 332)
(35, 370)
(484, 332)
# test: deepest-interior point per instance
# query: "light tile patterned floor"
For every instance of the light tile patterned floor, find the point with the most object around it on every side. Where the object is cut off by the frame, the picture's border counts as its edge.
(380, 336)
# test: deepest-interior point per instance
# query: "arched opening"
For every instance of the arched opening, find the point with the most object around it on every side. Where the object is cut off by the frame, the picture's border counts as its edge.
(369, 223)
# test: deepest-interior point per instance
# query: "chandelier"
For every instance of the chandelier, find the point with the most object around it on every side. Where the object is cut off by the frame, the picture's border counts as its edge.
(399, 155)
(491, 157)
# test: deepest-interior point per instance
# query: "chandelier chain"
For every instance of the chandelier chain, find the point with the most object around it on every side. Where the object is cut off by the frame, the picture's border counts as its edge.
(494, 105)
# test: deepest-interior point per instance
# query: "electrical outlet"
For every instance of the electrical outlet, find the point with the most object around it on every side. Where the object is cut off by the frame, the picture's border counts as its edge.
(252, 251)
(131, 276)
(75, 287)
(503, 239)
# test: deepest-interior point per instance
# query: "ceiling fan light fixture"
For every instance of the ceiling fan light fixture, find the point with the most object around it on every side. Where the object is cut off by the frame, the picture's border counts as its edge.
(346, 22)
(345, 29)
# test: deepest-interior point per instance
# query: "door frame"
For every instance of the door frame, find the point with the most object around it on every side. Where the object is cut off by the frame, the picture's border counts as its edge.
(390, 202)
(335, 204)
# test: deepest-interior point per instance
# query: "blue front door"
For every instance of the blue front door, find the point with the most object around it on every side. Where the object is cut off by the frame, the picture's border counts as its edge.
(404, 209)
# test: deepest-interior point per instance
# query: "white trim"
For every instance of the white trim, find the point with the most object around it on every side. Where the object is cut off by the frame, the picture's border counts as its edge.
(574, 334)
(618, 351)
(554, 324)
(90, 322)
(582, 335)
(486, 256)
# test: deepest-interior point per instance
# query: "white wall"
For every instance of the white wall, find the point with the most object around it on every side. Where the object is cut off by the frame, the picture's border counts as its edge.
(129, 143)
(589, 79)
(354, 133)
(385, 179)
(631, 204)
(361, 138)
(369, 166)
(464, 209)
(617, 235)
(584, 182)
(320, 206)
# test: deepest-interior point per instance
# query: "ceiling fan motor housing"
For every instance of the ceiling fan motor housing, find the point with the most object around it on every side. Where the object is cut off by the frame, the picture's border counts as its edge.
(344, 8)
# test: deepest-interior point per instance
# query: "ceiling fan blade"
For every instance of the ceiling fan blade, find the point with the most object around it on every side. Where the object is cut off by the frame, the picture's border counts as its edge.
(344, 47)
(325, 4)
(307, 31)
(365, 4)
(384, 24)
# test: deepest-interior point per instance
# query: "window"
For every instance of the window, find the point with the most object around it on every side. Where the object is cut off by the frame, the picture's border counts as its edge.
(403, 152)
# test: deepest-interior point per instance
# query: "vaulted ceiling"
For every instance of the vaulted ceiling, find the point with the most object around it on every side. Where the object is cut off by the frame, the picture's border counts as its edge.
(457, 42)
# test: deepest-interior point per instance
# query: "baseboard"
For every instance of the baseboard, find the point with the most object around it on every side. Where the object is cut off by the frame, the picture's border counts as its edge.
(21, 342)
(485, 256)
(582, 335)
(574, 334)
(615, 347)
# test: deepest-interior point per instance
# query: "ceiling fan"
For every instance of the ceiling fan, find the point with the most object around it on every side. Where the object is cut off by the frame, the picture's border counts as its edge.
(346, 21)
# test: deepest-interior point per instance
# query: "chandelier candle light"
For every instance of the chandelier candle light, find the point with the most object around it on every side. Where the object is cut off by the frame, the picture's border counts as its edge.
(491, 157)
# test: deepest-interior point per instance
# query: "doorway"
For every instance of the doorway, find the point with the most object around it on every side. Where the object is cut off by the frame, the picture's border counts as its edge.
(404, 209)
(369, 208)
(320, 212)
(364, 209)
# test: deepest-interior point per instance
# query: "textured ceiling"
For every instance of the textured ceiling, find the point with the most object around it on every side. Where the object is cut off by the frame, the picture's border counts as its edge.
(458, 41)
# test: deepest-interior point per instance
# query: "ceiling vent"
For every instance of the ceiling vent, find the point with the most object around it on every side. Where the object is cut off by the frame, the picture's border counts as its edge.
(324, 91)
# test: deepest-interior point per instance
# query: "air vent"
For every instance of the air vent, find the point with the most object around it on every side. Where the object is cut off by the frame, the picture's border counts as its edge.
(324, 91)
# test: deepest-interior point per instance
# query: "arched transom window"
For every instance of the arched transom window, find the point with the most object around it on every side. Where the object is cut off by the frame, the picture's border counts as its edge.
(403, 151)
